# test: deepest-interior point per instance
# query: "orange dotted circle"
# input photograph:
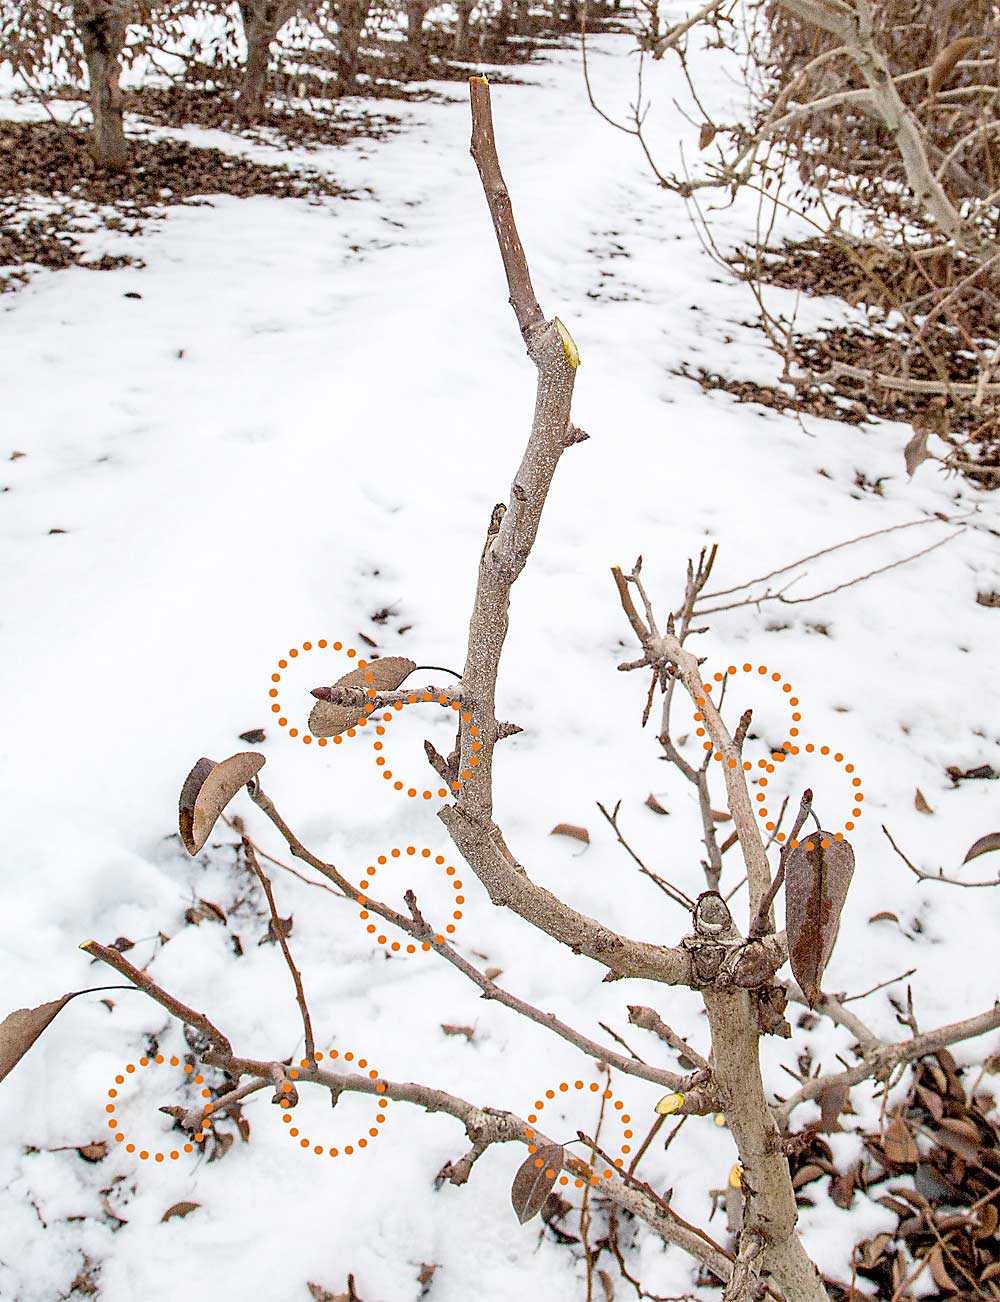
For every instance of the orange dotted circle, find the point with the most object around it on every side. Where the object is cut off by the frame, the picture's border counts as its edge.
(373, 1132)
(791, 746)
(397, 947)
(205, 1123)
(595, 1177)
(382, 761)
(764, 673)
(410, 790)
(307, 737)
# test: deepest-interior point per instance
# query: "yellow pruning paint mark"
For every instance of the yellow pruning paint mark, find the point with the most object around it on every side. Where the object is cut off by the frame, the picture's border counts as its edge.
(669, 1103)
(736, 1177)
(484, 80)
(720, 1119)
(569, 347)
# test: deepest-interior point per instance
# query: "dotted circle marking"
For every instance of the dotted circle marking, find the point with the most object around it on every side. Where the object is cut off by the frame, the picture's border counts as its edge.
(564, 1087)
(304, 1142)
(205, 1124)
(790, 746)
(395, 946)
(382, 761)
(307, 737)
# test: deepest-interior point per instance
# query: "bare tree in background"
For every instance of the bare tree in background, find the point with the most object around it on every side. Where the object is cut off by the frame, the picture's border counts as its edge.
(877, 122)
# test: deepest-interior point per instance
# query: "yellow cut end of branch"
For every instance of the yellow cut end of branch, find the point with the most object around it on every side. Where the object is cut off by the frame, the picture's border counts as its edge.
(86, 944)
(736, 1177)
(669, 1103)
(485, 80)
(569, 346)
(720, 1119)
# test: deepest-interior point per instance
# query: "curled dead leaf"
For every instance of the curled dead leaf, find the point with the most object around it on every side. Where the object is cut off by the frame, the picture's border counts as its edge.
(329, 720)
(898, 1143)
(945, 63)
(817, 880)
(535, 1180)
(983, 846)
(467, 1031)
(920, 803)
(915, 453)
(207, 790)
(806, 1175)
(568, 829)
(706, 135)
(653, 804)
(179, 1209)
(20, 1029)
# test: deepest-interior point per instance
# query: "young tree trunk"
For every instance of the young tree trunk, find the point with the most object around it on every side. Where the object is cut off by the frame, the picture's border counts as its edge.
(770, 1213)
(262, 20)
(504, 23)
(522, 17)
(101, 25)
(460, 48)
(416, 45)
(351, 18)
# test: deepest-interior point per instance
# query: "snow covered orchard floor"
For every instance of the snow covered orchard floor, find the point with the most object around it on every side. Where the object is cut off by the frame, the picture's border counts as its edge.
(304, 420)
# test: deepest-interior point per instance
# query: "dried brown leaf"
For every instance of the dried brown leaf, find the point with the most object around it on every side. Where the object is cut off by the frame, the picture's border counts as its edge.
(467, 1031)
(535, 1180)
(207, 790)
(920, 803)
(945, 63)
(492, 973)
(568, 829)
(932, 1101)
(608, 1284)
(706, 135)
(833, 1100)
(95, 1152)
(20, 1030)
(653, 804)
(426, 1272)
(898, 1143)
(941, 1277)
(983, 846)
(816, 885)
(806, 1175)
(179, 1209)
(884, 916)
(328, 720)
(915, 453)
(871, 1251)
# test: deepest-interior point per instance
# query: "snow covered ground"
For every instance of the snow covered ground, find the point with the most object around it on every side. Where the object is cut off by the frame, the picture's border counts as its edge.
(304, 419)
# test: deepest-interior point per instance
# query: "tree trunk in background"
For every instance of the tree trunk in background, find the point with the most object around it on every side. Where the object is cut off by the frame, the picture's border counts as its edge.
(522, 17)
(351, 18)
(416, 48)
(460, 48)
(262, 20)
(101, 25)
(505, 20)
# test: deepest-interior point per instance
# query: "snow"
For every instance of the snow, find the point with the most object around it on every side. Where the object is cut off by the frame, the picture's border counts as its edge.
(306, 417)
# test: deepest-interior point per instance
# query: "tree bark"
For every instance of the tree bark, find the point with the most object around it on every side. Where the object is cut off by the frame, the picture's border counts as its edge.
(262, 20)
(460, 48)
(416, 42)
(101, 25)
(504, 22)
(770, 1214)
(351, 18)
